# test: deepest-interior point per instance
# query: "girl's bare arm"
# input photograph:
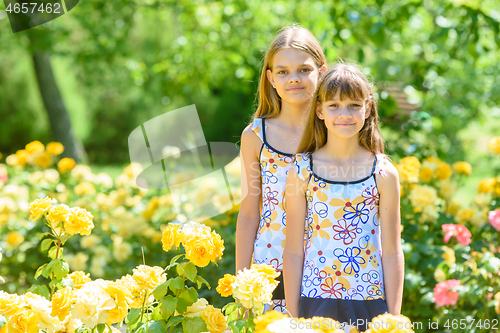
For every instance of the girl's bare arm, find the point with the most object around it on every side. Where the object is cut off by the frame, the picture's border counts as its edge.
(249, 215)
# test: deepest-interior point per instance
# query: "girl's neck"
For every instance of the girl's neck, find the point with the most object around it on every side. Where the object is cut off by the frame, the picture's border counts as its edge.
(343, 149)
(293, 115)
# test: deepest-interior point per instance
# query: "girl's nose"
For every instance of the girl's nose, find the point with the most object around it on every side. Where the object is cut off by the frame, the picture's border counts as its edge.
(294, 78)
(344, 112)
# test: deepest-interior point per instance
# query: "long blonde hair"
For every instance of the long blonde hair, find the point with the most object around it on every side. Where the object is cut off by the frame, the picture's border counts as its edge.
(349, 81)
(296, 37)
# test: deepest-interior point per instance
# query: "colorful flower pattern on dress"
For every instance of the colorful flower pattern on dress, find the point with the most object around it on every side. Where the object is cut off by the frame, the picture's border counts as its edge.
(342, 253)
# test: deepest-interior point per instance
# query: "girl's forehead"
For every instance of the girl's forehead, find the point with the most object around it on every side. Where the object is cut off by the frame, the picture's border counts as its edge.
(290, 56)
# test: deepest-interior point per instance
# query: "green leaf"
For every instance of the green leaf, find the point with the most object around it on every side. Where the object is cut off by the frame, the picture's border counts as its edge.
(41, 236)
(39, 271)
(167, 306)
(190, 271)
(60, 268)
(156, 314)
(237, 326)
(176, 284)
(161, 290)
(181, 305)
(46, 244)
(40, 290)
(133, 316)
(53, 252)
(101, 327)
(157, 327)
(229, 308)
(174, 321)
(3, 321)
(194, 325)
(180, 269)
(174, 259)
(190, 295)
(200, 281)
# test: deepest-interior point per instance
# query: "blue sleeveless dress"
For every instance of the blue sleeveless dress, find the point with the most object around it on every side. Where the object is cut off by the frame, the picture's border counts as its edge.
(342, 274)
(270, 240)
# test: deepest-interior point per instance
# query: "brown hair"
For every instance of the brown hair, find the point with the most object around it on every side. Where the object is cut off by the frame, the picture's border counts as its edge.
(296, 37)
(349, 82)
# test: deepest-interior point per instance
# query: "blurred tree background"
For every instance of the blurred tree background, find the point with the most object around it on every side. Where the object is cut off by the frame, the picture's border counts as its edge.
(121, 63)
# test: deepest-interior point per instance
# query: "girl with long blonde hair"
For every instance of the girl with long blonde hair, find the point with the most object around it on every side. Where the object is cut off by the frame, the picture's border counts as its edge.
(292, 66)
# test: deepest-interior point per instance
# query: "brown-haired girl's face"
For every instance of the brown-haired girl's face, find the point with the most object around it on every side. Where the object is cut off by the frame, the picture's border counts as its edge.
(294, 75)
(343, 118)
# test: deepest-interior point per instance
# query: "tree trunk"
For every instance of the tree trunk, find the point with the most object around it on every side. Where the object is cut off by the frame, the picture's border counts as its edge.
(54, 104)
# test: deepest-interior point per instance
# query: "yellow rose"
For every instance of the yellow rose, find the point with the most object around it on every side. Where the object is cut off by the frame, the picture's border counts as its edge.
(10, 304)
(92, 305)
(25, 321)
(195, 309)
(79, 278)
(44, 160)
(171, 236)
(422, 196)
(497, 306)
(388, 323)
(439, 275)
(137, 293)
(213, 317)
(218, 246)
(14, 238)
(85, 188)
(199, 250)
(446, 188)
(453, 207)
(122, 297)
(462, 168)
(77, 262)
(66, 164)
(267, 318)
(56, 215)
(39, 207)
(443, 171)
(494, 145)
(487, 185)
(409, 169)
(61, 303)
(55, 148)
(448, 255)
(90, 241)
(426, 174)
(22, 156)
(79, 222)
(268, 270)
(225, 287)
(151, 208)
(148, 278)
(464, 215)
(35, 147)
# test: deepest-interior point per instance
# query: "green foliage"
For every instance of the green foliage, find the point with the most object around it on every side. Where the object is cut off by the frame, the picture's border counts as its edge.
(134, 60)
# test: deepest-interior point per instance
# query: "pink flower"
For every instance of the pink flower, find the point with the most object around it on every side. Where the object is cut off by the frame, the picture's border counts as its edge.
(460, 231)
(494, 217)
(443, 295)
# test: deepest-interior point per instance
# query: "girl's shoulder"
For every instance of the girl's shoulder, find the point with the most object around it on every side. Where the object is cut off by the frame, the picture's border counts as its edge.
(302, 164)
(384, 166)
(257, 127)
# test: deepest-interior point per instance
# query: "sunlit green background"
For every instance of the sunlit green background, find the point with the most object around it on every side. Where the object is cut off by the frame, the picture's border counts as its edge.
(117, 64)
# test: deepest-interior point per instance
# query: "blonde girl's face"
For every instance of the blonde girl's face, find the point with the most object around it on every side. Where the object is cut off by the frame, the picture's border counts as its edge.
(294, 75)
(343, 118)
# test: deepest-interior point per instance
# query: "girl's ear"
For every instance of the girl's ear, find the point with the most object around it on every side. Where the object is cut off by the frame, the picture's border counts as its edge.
(319, 111)
(323, 69)
(269, 75)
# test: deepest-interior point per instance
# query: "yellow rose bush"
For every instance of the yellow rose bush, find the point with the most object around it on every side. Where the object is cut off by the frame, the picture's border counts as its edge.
(251, 289)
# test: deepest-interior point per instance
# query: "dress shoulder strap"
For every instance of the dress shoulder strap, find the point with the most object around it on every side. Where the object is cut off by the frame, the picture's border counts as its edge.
(258, 129)
(379, 164)
(303, 165)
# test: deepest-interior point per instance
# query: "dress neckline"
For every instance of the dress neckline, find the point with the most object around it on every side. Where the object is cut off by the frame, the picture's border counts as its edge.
(267, 143)
(342, 182)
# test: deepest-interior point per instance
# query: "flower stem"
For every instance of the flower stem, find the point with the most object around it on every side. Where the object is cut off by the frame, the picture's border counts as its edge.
(143, 304)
